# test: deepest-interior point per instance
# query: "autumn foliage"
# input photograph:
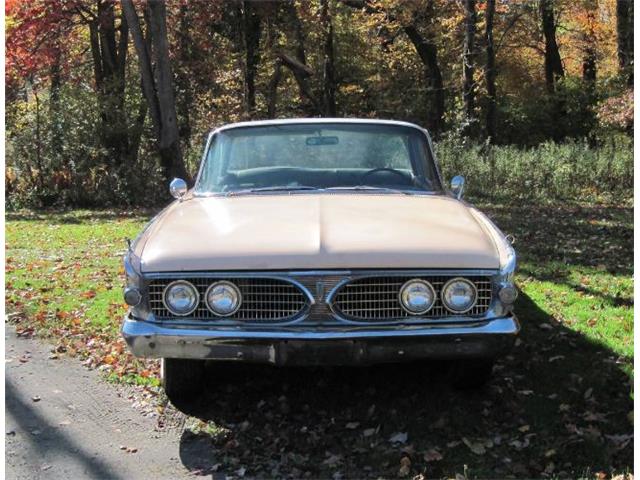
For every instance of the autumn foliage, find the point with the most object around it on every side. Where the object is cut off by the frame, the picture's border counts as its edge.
(81, 130)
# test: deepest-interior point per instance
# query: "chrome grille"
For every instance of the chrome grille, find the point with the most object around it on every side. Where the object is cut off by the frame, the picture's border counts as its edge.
(376, 298)
(263, 300)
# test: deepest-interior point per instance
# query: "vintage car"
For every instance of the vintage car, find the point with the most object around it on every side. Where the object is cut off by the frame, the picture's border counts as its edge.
(319, 242)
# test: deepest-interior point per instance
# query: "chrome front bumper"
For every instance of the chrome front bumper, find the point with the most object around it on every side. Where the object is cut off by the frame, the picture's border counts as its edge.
(316, 346)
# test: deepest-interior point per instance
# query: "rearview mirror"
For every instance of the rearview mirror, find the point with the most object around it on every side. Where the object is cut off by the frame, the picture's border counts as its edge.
(178, 188)
(457, 186)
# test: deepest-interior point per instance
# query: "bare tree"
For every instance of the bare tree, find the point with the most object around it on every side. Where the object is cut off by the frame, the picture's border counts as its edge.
(157, 82)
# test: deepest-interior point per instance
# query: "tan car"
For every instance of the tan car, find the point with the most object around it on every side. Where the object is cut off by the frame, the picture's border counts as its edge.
(317, 242)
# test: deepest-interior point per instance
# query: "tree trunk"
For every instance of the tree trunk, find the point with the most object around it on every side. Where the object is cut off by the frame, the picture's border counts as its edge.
(468, 60)
(183, 73)
(428, 53)
(490, 72)
(298, 31)
(109, 62)
(624, 28)
(589, 63)
(298, 64)
(328, 74)
(251, 27)
(553, 69)
(158, 89)
(272, 91)
(55, 74)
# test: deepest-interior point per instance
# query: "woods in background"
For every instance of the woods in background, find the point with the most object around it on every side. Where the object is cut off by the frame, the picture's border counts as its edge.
(108, 100)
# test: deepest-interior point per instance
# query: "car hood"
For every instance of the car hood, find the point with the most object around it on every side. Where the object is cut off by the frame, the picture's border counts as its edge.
(316, 231)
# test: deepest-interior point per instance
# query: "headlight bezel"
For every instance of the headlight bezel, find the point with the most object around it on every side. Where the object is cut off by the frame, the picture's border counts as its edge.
(443, 296)
(167, 304)
(405, 285)
(233, 287)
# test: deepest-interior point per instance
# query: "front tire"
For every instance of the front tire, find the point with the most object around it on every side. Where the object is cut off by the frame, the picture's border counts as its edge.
(471, 373)
(182, 379)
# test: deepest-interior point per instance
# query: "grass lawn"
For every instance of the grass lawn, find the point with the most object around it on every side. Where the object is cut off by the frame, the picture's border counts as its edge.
(560, 404)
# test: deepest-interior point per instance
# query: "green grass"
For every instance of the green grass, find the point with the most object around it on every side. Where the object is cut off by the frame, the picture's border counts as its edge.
(64, 279)
(558, 402)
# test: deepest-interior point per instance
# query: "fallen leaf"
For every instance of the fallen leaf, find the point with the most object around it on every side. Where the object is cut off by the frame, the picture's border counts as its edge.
(399, 437)
(332, 460)
(477, 448)
(352, 425)
(432, 455)
(405, 467)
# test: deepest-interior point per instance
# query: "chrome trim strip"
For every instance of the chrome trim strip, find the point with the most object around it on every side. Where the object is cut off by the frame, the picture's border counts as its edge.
(146, 339)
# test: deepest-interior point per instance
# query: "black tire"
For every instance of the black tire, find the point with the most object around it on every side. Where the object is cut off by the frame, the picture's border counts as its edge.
(472, 373)
(182, 379)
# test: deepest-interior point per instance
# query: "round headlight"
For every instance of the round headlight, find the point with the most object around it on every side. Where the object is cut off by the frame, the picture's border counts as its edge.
(417, 296)
(181, 297)
(223, 298)
(459, 295)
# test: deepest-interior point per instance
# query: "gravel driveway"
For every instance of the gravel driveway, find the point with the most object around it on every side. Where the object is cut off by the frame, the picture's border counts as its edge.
(63, 421)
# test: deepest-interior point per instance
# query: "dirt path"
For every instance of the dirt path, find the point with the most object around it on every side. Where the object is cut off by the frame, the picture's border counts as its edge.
(77, 427)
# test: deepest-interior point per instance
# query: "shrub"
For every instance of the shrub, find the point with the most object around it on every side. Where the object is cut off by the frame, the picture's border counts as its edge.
(571, 171)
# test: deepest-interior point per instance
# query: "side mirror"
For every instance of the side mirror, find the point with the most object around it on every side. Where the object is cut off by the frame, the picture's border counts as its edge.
(178, 188)
(457, 186)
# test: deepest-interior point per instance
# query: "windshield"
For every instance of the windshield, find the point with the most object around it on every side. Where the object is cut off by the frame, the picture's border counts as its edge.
(318, 156)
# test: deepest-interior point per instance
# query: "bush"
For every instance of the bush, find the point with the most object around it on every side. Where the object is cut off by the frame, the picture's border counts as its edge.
(55, 159)
(571, 171)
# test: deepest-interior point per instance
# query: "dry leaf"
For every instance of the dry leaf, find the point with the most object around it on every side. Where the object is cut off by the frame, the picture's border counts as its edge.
(399, 437)
(405, 467)
(432, 455)
(477, 448)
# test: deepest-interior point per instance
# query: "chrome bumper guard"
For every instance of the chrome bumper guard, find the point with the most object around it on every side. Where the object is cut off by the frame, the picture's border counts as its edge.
(343, 346)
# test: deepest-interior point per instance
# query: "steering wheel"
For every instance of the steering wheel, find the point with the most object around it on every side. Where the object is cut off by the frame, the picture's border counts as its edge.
(383, 169)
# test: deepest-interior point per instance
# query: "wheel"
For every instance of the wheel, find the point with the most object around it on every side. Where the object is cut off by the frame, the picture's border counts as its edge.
(471, 373)
(181, 378)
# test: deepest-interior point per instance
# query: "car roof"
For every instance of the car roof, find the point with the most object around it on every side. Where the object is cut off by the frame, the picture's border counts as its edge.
(319, 121)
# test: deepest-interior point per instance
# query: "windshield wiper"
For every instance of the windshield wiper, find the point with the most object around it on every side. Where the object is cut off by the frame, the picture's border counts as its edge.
(279, 188)
(371, 188)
